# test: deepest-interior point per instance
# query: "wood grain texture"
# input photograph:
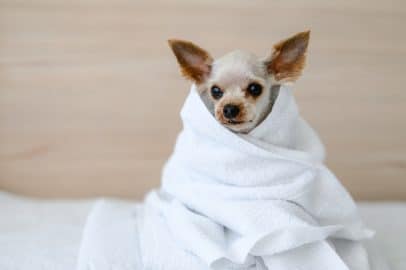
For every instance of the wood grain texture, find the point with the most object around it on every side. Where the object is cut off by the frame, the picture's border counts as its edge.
(90, 92)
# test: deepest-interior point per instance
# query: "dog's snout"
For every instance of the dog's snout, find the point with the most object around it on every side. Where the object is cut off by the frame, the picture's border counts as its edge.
(230, 111)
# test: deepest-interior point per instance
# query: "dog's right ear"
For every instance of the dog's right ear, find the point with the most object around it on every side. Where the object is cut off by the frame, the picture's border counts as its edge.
(288, 58)
(195, 63)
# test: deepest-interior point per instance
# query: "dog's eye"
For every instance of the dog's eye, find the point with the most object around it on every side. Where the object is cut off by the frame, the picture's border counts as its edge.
(254, 89)
(216, 92)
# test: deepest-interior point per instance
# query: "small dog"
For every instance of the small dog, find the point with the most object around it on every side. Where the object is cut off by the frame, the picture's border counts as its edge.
(239, 88)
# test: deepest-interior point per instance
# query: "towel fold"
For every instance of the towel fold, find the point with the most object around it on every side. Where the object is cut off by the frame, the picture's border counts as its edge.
(110, 238)
(111, 241)
(262, 200)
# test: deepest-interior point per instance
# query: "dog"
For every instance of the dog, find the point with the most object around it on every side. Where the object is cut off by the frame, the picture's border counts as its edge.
(239, 88)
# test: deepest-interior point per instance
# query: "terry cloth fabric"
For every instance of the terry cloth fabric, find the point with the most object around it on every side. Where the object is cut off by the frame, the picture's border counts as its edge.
(262, 200)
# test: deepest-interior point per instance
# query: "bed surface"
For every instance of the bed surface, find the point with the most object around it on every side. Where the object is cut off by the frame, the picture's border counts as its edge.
(46, 234)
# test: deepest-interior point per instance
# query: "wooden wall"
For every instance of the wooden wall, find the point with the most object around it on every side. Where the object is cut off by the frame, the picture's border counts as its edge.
(90, 93)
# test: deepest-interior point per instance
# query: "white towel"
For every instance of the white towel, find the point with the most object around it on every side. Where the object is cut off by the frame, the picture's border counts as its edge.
(111, 241)
(262, 200)
(110, 238)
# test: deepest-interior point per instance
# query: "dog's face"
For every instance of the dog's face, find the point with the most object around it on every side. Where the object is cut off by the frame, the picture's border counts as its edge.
(237, 88)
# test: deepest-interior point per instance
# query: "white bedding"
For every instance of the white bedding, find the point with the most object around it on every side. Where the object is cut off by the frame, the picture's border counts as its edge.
(46, 234)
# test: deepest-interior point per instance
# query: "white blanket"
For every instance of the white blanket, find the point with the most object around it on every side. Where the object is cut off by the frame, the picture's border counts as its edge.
(46, 234)
(258, 201)
(40, 234)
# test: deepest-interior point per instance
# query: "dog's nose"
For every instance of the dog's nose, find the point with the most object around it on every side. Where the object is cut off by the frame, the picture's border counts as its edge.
(230, 111)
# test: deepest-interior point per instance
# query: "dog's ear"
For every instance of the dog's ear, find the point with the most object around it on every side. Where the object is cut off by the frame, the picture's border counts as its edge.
(195, 63)
(288, 58)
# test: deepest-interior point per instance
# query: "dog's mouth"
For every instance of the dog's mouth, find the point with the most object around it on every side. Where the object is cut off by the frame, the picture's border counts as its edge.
(235, 122)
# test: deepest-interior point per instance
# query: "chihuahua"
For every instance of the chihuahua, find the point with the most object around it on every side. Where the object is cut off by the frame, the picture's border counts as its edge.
(239, 89)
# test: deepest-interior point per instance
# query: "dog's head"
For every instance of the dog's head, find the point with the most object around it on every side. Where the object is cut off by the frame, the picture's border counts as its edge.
(237, 88)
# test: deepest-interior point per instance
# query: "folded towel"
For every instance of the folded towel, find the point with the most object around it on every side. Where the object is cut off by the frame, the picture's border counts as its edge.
(262, 200)
(110, 238)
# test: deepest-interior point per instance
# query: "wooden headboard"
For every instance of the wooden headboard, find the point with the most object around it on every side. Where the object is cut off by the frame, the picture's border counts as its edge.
(90, 92)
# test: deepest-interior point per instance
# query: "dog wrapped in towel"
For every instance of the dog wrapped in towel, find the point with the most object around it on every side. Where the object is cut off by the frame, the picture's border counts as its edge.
(257, 200)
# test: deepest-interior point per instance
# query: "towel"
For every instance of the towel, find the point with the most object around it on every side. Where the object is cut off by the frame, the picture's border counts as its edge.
(111, 240)
(262, 200)
(110, 237)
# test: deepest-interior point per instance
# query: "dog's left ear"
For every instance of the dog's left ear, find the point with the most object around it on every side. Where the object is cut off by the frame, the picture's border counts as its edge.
(195, 63)
(288, 58)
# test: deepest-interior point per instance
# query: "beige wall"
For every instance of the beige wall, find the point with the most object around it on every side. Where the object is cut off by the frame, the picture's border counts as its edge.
(90, 93)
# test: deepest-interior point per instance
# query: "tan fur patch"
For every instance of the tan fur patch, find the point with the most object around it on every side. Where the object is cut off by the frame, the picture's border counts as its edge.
(289, 57)
(195, 63)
